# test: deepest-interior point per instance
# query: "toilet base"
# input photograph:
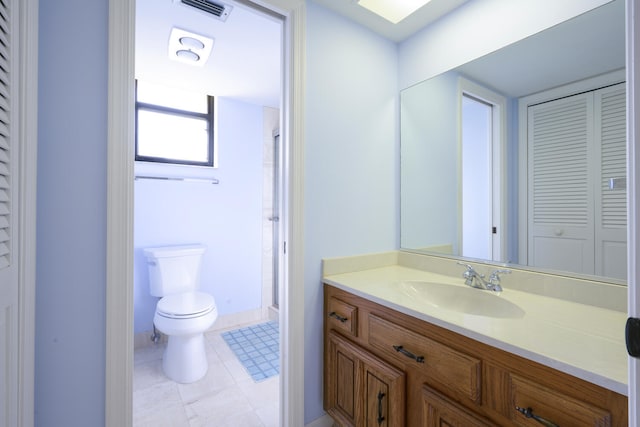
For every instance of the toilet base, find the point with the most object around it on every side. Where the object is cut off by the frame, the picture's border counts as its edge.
(185, 358)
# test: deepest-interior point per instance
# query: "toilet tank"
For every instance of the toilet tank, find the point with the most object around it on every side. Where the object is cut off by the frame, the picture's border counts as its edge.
(174, 269)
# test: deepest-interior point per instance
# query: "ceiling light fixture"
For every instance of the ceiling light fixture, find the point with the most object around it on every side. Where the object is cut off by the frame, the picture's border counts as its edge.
(393, 11)
(188, 55)
(191, 42)
(188, 47)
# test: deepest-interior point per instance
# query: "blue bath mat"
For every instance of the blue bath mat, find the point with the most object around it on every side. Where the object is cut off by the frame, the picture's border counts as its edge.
(257, 347)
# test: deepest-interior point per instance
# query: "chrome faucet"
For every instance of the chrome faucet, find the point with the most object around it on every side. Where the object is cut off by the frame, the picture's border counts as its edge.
(476, 280)
(494, 279)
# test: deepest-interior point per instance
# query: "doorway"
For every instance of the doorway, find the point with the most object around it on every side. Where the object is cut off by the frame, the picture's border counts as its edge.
(119, 294)
(477, 172)
(482, 172)
(226, 200)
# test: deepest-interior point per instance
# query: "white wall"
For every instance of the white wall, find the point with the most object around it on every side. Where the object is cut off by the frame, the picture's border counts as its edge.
(227, 217)
(71, 214)
(478, 28)
(351, 167)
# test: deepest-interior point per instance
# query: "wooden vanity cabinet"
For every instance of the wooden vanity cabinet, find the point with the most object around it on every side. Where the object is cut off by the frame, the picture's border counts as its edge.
(385, 368)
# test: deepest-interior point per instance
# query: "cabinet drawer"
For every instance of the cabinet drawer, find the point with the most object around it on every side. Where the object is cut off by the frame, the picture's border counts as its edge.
(552, 406)
(342, 316)
(458, 371)
(438, 410)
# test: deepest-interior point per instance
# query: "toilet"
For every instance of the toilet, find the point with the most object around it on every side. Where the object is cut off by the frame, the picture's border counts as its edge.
(182, 313)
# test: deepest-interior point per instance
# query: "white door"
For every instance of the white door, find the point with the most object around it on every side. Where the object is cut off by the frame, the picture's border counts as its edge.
(9, 217)
(482, 173)
(560, 189)
(579, 218)
(611, 186)
(477, 178)
(18, 74)
(8, 273)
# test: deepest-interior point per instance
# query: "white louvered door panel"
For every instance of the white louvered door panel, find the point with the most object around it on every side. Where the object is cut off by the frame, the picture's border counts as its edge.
(5, 192)
(5, 150)
(611, 203)
(9, 365)
(560, 189)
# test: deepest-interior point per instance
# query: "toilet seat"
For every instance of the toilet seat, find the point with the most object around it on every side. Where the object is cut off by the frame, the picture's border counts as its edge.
(185, 305)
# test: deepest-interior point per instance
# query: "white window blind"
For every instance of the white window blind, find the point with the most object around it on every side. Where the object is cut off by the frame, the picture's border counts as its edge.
(5, 153)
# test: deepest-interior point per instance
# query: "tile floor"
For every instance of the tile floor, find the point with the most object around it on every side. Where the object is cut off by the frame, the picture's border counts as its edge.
(226, 396)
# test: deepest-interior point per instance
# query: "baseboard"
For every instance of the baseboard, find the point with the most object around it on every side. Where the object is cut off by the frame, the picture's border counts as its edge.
(234, 320)
(324, 421)
(273, 313)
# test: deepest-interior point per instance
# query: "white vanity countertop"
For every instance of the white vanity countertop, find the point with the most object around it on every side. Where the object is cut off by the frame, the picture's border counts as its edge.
(582, 340)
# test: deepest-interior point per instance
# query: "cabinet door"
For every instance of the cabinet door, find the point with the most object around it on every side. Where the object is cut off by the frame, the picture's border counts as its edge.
(363, 390)
(439, 411)
(341, 381)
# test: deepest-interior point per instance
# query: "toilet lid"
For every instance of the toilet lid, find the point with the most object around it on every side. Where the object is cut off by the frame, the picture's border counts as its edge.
(189, 304)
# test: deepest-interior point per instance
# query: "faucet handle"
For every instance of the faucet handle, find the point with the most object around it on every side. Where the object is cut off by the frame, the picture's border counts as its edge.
(468, 266)
(469, 272)
(494, 278)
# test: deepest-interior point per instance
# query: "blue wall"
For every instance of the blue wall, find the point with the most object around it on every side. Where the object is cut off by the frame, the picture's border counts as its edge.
(350, 184)
(351, 167)
(71, 214)
(351, 174)
(227, 218)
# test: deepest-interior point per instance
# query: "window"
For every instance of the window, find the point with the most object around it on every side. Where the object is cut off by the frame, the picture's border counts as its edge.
(173, 126)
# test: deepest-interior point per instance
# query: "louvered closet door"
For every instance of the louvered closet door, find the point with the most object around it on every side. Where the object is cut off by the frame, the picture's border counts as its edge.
(611, 193)
(9, 394)
(560, 189)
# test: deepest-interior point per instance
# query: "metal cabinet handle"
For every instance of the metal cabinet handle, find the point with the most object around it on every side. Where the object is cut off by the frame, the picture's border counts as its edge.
(337, 316)
(400, 349)
(380, 417)
(528, 413)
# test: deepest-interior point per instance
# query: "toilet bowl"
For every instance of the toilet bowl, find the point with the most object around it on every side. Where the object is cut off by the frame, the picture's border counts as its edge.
(182, 313)
(184, 318)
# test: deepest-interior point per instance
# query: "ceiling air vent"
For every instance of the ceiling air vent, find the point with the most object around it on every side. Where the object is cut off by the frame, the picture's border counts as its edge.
(219, 10)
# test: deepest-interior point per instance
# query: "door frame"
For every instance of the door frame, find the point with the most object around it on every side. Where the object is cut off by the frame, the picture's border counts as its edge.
(120, 161)
(633, 197)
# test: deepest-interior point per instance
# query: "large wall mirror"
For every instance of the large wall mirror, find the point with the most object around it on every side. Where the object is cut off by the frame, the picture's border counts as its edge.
(519, 157)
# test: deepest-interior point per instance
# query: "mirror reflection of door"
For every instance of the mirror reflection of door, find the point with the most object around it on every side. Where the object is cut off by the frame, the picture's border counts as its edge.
(477, 174)
(482, 172)
(577, 179)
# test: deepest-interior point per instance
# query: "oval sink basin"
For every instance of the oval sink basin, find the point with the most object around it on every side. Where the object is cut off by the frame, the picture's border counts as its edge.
(461, 299)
